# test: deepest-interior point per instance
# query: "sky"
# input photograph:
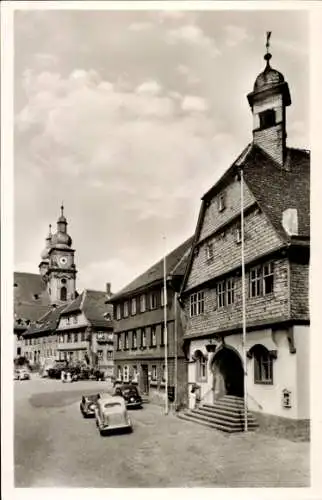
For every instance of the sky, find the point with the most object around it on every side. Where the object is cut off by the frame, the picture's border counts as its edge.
(128, 117)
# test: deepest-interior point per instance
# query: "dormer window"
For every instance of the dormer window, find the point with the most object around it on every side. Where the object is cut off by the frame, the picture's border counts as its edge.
(267, 118)
(238, 235)
(221, 202)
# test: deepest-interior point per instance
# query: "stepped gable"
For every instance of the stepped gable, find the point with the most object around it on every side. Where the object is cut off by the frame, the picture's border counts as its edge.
(175, 261)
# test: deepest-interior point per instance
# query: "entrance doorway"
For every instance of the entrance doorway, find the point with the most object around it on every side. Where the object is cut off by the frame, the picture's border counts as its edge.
(145, 378)
(228, 374)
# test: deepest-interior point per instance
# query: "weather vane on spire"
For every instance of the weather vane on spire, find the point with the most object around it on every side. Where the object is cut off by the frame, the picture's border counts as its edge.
(268, 56)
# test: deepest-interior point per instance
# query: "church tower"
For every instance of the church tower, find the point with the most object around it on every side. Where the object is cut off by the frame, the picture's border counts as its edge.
(60, 273)
(268, 102)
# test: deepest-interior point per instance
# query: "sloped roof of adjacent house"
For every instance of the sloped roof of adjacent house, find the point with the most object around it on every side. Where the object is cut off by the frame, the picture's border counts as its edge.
(94, 305)
(275, 188)
(31, 299)
(48, 322)
(175, 263)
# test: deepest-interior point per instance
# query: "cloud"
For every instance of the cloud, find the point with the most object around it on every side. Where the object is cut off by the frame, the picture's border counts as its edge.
(150, 87)
(172, 14)
(187, 72)
(235, 35)
(194, 103)
(192, 35)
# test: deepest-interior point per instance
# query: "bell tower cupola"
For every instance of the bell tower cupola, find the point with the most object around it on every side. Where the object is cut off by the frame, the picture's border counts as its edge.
(268, 102)
(61, 274)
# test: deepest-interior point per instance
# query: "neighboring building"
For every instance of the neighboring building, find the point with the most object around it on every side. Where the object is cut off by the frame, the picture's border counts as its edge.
(139, 343)
(85, 330)
(47, 304)
(31, 301)
(40, 339)
(277, 252)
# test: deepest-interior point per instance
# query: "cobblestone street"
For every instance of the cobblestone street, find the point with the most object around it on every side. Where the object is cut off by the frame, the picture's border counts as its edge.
(55, 446)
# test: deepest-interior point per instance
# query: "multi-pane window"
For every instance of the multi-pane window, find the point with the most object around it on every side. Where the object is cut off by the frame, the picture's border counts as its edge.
(209, 251)
(109, 354)
(133, 306)
(126, 340)
(119, 342)
(153, 336)
(100, 354)
(197, 303)
(263, 366)
(134, 340)
(201, 368)
(119, 373)
(143, 337)
(125, 373)
(142, 303)
(153, 300)
(135, 373)
(126, 309)
(261, 280)
(230, 291)
(221, 290)
(154, 373)
(118, 311)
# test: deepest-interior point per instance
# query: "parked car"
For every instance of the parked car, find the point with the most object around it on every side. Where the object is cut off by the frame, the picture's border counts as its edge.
(111, 415)
(21, 374)
(88, 405)
(130, 394)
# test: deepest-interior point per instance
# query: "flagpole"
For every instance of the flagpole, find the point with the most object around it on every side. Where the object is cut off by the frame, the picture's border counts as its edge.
(175, 350)
(165, 327)
(243, 296)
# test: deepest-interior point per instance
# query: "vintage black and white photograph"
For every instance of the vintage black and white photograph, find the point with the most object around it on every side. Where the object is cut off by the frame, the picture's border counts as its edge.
(161, 247)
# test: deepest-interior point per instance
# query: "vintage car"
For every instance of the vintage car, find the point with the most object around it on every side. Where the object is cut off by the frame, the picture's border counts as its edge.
(111, 415)
(21, 374)
(130, 394)
(88, 405)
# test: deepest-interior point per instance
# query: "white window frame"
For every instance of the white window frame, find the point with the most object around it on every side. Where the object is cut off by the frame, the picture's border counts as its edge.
(126, 373)
(126, 309)
(154, 373)
(133, 306)
(143, 337)
(118, 311)
(153, 336)
(197, 304)
(230, 291)
(126, 340)
(134, 339)
(153, 303)
(142, 303)
(221, 294)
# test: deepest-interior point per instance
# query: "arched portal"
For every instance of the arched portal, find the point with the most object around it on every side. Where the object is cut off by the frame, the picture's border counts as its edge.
(228, 373)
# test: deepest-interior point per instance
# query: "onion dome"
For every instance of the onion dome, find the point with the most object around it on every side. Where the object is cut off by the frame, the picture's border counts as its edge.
(61, 239)
(269, 77)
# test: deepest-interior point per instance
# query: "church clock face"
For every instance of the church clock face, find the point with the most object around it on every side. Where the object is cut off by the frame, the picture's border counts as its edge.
(63, 261)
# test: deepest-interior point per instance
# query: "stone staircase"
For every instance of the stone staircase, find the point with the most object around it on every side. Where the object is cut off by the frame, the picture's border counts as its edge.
(226, 414)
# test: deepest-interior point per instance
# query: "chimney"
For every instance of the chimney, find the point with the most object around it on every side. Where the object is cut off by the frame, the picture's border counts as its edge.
(108, 289)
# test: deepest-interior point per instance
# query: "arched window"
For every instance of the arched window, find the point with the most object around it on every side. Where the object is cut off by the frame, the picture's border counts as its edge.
(63, 293)
(201, 366)
(263, 364)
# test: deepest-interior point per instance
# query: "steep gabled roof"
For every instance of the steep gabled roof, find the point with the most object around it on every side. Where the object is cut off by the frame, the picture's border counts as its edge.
(274, 188)
(48, 322)
(175, 262)
(31, 299)
(94, 305)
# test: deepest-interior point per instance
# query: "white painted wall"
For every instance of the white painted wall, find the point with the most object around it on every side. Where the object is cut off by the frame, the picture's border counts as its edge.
(290, 371)
(302, 343)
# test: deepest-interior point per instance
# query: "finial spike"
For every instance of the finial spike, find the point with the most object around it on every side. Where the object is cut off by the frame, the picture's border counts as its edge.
(62, 208)
(268, 56)
(49, 228)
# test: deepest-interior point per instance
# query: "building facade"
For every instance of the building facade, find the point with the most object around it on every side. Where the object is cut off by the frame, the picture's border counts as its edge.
(139, 329)
(85, 331)
(270, 183)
